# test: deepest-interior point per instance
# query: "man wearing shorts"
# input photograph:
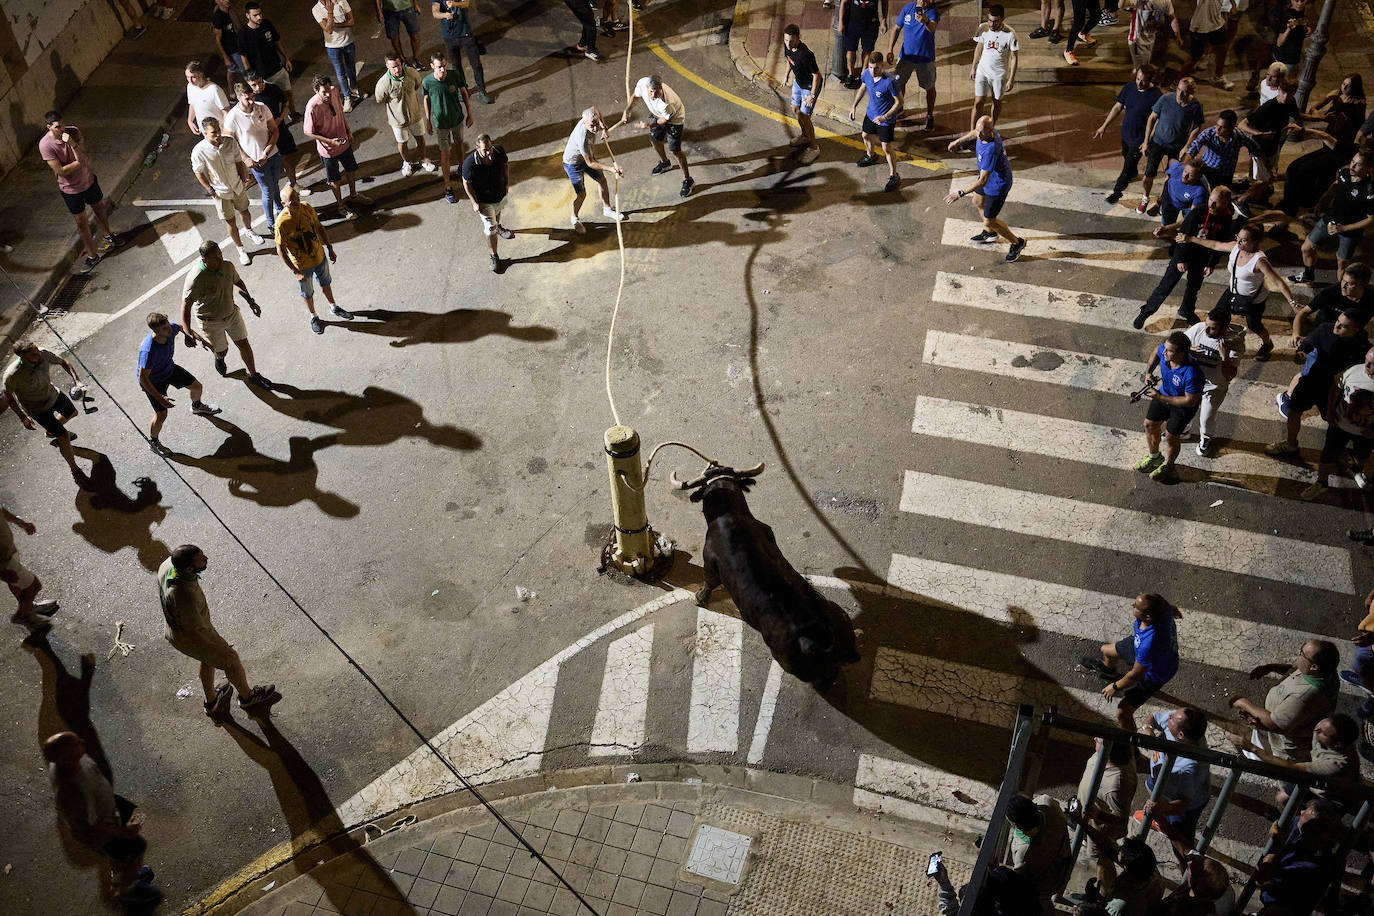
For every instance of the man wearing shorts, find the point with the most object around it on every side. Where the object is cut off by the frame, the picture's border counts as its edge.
(806, 85)
(191, 633)
(995, 55)
(210, 288)
(486, 179)
(578, 163)
(1151, 651)
(1209, 28)
(1330, 349)
(1347, 209)
(1174, 120)
(858, 26)
(38, 402)
(884, 93)
(326, 125)
(1268, 125)
(992, 187)
(1173, 403)
(158, 372)
(62, 149)
(302, 246)
(1350, 424)
(667, 117)
(217, 162)
(916, 24)
(446, 100)
(398, 88)
(23, 584)
(396, 13)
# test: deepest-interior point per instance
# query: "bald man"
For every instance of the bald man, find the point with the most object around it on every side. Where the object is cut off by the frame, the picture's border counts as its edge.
(302, 246)
(992, 187)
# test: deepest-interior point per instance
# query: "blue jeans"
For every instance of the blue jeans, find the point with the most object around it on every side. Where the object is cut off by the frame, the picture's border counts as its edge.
(269, 181)
(345, 61)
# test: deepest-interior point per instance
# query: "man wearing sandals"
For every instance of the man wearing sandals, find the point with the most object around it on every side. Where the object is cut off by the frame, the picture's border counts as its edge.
(191, 633)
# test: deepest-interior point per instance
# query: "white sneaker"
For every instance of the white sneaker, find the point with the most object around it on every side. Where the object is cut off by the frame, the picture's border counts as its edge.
(611, 213)
(429, 166)
(348, 104)
(1361, 480)
(578, 227)
(244, 259)
(406, 168)
(254, 237)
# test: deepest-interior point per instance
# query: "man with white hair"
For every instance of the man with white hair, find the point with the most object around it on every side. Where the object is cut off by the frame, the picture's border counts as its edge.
(578, 162)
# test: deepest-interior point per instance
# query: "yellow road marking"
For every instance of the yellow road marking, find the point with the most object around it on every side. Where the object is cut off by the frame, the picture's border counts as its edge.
(821, 133)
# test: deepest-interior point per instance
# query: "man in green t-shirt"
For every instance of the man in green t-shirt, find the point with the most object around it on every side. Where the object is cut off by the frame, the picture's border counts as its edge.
(448, 107)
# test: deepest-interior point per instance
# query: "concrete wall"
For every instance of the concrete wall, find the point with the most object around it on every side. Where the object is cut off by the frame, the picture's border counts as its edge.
(47, 49)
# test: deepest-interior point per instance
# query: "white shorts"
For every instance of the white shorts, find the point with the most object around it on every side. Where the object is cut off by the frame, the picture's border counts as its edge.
(1263, 168)
(491, 215)
(22, 577)
(219, 333)
(281, 79)
(984, 85)
(403, 134)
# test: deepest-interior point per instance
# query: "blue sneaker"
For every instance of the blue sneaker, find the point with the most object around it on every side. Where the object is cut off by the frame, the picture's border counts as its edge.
(1283, 401)
(1350, 677)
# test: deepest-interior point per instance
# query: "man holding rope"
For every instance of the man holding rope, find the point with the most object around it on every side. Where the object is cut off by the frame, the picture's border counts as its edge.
(668, 117)
(578, 162)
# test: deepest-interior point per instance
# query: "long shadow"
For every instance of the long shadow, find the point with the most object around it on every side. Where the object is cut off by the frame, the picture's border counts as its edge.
(310, 814)
(112, 520)
(454, 326)
(66, 704)
(268, 481)
(376, 417)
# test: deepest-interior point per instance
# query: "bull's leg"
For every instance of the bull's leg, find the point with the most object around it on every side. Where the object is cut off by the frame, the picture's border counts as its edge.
(712, 580)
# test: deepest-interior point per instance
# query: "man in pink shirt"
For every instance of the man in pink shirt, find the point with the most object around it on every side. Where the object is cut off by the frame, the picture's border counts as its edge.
(326, 125)
(62, 149)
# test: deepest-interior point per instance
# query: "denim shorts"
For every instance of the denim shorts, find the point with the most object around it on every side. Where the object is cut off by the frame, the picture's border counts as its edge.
(1346, 241)
(319, 272)
(576, 171)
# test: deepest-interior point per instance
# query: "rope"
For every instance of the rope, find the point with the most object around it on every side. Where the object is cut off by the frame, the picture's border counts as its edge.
(648, 468)
(619, 233)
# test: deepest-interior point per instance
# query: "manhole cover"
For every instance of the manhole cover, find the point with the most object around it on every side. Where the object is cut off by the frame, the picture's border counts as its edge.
(718, 854)
(67, 294)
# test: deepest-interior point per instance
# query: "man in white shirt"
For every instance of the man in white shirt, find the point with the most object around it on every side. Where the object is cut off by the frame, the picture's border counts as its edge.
(204, 97)
(1210, 27)
(1215, 347)
(667, 118)
(335, 19)
(994, 64)
(1350, 419)
(217, 162)
(579, 162)
(251, 124)
(1147, 19)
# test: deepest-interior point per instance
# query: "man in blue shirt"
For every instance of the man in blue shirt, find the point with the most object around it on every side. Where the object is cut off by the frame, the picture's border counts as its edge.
(884, 102)
(993, 184)
(1174, 121)
(1151, 650)
(158, 371)
(1185, 186)
(1135, 101)
(1187, 784)
(916, 24)
(1172, 405)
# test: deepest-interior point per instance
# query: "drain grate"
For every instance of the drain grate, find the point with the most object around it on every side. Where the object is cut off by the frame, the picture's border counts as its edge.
(67, 294)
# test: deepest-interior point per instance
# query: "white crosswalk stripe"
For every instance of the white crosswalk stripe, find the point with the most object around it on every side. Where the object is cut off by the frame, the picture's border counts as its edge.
(177, 233)
(1075, 198)
(713, 722)
(624, 702)
(1035, 301)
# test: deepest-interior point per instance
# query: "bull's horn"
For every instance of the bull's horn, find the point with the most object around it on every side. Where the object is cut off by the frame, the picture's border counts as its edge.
(755, 471)
(686, 484)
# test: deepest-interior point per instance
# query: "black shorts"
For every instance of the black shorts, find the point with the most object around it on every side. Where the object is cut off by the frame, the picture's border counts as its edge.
(1309, 392)
(856, 34)
(333, 164)
(1199, 41)
(179, 378)
(1135, 695)
(1155, 154)
(77, 203)
(671, 132)
(884, 132)
(992, 205)
(1175, 418)
(286, 144)
(1336, 441)
(48, 419)
(124, 849)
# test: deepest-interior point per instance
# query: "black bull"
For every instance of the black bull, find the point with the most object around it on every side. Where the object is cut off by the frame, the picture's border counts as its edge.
(809, 636)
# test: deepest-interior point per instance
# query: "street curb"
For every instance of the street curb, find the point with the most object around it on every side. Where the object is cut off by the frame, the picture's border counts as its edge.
(783, 795)
(753, 71)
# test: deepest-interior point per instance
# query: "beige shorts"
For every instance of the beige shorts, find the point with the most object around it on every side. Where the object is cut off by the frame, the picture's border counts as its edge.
(491, 215)
(15, 574)
(403, 134)
(209, 648)
(232, 205)
(448, 137)
(220, 332)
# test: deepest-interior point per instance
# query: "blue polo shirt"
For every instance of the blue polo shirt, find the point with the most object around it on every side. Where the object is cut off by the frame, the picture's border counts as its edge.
(1156, 647)
(882, 93)
(157, 357)
(1181, 195)
(918, 42)
(1135, 111)
(993, 158)
(1186, 379)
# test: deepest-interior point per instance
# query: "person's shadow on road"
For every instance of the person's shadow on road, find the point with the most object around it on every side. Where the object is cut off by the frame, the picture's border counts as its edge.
(454, 326)
(112, 520)
(310, 815)
(375, 417)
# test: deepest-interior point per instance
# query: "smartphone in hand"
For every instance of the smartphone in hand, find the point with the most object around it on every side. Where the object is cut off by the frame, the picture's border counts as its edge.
(933, 866)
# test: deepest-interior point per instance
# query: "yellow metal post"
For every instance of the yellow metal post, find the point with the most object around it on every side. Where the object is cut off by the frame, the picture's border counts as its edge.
(634, 542)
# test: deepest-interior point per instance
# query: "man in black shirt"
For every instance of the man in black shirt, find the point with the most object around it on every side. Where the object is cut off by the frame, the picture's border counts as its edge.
(1351, 294)
(260, 44)
(1331, 349)
(222, 25)
(278, 103)
(1268, 125)
(486, 178)
(806, 85)
(1346, 209)
(858, 26)
(1212, 223)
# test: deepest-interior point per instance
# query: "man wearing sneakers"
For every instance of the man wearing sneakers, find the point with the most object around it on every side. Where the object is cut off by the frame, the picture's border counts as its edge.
(456, 30)
(884, 93)
(1086, 15)
(38, 402)
(992, 187)
(1173, 122)
(302, 245)
(209, 287)
(398, 88)
(23, 584)
(1350, 424)
(578, 163)
(1331, 348)
(1147, 20)
(1215, 347)
(1173, 403)
(1134, 103)
(1209, 28)
(62, 149)
(857, 28)
(486, 179)
(446, 101)
(1151, 651)
(806, 85)
(217, 162)
(158, 371)
(191, 633)
(326, 125)
(667, 117)
(1347, 209)
(1189, 259)
(335, 19)
(995, 55)
(916, 26)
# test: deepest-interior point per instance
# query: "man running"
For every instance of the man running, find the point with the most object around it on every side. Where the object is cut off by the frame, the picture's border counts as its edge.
(1173, 403)
(668, 117)
(1215, 348)
(1330, 349)
(884, 93)
(38, 402)
(209, 287)
(993, 184)
(158, 371)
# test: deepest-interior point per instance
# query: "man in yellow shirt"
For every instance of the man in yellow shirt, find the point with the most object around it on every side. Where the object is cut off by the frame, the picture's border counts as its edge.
(302, 245)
